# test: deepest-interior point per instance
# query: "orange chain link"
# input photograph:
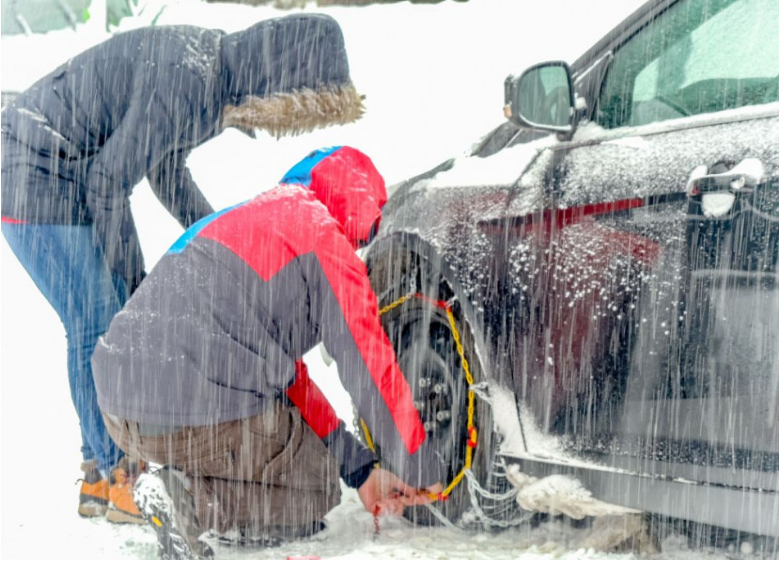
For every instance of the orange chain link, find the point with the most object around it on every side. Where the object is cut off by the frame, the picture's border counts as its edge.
(472, 442)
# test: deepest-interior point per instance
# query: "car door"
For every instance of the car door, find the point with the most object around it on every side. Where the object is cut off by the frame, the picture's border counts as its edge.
(651, 340)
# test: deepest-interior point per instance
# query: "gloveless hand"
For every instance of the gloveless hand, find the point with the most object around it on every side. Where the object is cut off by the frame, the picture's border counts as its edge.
(383, 493)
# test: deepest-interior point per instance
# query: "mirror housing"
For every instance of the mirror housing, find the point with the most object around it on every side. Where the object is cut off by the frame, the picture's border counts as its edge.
(542, 98)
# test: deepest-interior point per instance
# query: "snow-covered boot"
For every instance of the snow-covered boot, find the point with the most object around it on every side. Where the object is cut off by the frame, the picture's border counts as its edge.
(94, 492)
(166, 503)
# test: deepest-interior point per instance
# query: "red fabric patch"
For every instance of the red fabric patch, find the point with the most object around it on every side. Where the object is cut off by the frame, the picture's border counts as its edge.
(311, 402)
(268, 231)
(348, 279)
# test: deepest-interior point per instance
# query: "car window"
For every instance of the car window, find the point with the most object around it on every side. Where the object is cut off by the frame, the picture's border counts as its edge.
(700, 56)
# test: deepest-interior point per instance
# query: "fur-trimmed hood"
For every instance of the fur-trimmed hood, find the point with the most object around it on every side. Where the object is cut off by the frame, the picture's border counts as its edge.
(288, 76)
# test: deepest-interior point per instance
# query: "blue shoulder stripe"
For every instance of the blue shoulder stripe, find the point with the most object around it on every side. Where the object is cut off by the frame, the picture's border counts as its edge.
(300, 173)
(196, 228)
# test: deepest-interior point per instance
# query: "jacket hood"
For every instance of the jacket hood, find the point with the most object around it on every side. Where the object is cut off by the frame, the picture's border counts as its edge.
(346, 181)
(288, 75)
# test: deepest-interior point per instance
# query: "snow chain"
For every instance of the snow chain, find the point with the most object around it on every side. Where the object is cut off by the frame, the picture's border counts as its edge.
(472, 431)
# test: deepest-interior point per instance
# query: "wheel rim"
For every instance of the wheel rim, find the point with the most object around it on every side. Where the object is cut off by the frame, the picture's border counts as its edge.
(428, 357)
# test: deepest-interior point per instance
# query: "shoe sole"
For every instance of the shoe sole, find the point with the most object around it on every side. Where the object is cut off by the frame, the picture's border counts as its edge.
(118, 516)
(92, 509)
(157, 507)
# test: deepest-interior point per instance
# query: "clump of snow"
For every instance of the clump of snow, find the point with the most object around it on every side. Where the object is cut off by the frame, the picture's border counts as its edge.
(537, 441)
(746, 548)
(746, 175)
(520, 434)
(751, 169)
(743, 177)
(717, 205)
(505, 418)
(613, 531)
(559, 494)
(696, 173)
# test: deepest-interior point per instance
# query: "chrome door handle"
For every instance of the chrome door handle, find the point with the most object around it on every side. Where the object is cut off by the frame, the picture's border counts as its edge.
(744, 177)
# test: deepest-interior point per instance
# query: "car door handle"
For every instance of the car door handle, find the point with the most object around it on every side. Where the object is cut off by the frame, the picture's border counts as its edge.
(744, 177)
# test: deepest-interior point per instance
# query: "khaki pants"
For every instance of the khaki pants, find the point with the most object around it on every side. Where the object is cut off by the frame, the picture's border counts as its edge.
(253, 474)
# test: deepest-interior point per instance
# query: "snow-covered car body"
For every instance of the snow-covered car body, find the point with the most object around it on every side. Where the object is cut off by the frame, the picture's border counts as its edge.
(619, 282)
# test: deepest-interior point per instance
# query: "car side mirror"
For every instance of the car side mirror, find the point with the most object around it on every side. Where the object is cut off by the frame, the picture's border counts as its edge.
(542, 98)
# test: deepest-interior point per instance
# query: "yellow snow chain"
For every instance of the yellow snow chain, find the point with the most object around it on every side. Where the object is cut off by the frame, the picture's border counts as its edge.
(472, 431)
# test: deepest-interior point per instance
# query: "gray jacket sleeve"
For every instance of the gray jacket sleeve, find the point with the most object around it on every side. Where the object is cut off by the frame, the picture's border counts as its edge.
(173, 185)
(146, 135)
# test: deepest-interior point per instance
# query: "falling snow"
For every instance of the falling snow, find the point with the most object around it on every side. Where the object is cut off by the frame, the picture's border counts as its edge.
(419, 113)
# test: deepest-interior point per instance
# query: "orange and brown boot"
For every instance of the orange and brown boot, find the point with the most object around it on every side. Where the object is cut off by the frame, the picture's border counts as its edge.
(94, 493)
(122, 507)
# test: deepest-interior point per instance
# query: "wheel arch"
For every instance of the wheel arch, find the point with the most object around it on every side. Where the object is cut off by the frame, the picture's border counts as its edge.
(391, 257)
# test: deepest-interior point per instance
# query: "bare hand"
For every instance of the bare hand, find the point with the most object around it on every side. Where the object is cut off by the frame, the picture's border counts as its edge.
(383, 493)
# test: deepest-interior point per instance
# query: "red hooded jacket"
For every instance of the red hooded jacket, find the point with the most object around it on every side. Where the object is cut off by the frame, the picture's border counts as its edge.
(216, 330)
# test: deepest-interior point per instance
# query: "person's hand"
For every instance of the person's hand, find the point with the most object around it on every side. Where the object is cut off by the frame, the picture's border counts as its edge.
(434, 489)
(383, 493)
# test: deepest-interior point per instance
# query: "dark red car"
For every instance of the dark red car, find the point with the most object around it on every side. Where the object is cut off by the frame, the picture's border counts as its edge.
(610, 258)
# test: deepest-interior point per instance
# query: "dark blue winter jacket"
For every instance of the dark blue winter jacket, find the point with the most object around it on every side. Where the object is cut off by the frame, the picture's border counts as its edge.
(76, 143)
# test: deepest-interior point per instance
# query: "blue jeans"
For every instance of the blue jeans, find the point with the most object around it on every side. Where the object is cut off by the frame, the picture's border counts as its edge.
(73, 276)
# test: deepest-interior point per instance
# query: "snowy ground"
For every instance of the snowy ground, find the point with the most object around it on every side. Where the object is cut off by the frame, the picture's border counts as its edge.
(433, 76)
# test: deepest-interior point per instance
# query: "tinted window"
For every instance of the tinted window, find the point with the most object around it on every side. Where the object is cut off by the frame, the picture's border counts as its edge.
(700, 56)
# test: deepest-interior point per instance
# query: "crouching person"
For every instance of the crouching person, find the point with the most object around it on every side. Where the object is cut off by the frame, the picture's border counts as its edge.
(201, 371)
(76, 143)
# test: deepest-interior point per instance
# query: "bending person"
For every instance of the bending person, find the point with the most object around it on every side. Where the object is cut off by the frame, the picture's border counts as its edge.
(76, 143)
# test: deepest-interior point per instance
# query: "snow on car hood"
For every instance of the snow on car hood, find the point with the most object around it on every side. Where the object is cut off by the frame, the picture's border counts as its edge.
(506, 167)
(502, 169)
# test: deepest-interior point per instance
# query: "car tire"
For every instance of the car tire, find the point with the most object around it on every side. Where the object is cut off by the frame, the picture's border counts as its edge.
(427, 354)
